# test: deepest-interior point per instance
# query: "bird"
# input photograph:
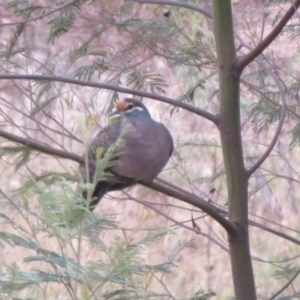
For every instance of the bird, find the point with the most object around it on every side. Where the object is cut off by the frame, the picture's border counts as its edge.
(145, 148)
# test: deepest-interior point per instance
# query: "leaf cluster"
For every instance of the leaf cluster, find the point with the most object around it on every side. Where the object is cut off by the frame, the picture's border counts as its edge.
(118, 270)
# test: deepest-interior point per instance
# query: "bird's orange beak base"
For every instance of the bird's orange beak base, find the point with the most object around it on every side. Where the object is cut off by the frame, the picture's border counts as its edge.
(121, 105)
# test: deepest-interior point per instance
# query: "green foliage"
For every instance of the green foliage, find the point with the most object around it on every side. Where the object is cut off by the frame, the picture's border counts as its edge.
(264, 113)
(286, 274)
(125, 44)
(24, 8)
(202, 295)
(140, 80)
(23, 153)
(290, 297)
(10, 51)
(84, 50)
(86, 72)
(295, 136)
(117, 271)
(61, 25)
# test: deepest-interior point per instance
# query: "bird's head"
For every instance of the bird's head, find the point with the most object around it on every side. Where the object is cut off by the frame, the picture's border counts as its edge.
(131, 108)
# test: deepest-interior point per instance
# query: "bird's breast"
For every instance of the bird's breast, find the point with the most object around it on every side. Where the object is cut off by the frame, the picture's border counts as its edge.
(147, 148)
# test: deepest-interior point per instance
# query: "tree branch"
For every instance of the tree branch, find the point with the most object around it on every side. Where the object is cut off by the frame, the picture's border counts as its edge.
(158, 211)
(178, 4)
(278, 130)
(41, 147)
(285, 286)
(40, 17)
(225, 212)
(241, 62)
(213, 118)
(183, 195)
(188, 198)
(278, 233)
(195, 201)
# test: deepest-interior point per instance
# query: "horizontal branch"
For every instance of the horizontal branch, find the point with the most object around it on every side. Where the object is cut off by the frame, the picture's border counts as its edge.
(242, 62)
(276, 232)
(195, 201)
(41, 147)
(195, 110)
(285, 286)
(41, 16)
(225, 213)
(200, 10)
(181, 194)
(188, 198)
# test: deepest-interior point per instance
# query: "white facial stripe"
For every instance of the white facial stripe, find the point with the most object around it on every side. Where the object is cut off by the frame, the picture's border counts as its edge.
(135, 108)
(118, 114)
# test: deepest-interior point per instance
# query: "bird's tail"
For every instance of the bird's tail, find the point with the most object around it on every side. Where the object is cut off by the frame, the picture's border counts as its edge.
(103, 187)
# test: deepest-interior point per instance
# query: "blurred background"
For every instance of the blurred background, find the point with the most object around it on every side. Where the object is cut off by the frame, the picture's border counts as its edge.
(163, 50)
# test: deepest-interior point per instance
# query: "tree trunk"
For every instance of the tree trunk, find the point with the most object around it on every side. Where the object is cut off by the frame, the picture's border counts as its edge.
(230, 130)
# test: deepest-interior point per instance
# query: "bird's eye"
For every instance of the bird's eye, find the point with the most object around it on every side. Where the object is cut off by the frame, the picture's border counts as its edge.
(130, 106)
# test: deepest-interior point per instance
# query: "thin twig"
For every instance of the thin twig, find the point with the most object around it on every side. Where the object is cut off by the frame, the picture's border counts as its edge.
(40, 17)
(285, 286)
(41, 147)
(200, 10)
(196, 201)
(213, 118)
(188, 198)
(242, 62)
(278, 233)
(278, 130)
(215, 212)
(160, 212)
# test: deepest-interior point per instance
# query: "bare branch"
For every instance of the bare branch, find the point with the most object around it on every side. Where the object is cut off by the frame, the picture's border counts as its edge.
(195, 110)
(40, 17)
(285, 286)
(195, 201)
(278, 233)
(185, 196)
(188, 198)
(242, 62)
(178, 4)
(278, 130)
(180, 224)
(41, 147)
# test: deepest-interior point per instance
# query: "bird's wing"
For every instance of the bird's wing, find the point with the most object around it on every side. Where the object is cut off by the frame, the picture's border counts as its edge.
(104, 139)
(98, 148)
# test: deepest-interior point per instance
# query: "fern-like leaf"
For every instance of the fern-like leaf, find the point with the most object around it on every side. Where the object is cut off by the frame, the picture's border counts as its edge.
(264, 113)
(61, 25)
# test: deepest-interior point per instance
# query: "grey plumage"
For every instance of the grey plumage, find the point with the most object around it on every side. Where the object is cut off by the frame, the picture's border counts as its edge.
(146, 148)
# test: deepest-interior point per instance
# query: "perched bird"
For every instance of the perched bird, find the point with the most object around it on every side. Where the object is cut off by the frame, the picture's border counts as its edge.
(146, 146)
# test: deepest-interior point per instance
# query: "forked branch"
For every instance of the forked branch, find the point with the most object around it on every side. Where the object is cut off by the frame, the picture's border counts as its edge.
(242, 62)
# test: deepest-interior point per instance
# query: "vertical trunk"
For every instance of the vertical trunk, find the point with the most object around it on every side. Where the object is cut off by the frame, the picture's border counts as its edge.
(230, 130)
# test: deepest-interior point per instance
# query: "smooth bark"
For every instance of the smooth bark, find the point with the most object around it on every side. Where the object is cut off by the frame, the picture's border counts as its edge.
(230, 130)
